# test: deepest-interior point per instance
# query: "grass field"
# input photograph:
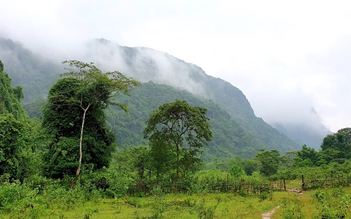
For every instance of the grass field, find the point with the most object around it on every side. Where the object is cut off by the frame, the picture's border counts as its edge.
(327, 203)
(165, 206)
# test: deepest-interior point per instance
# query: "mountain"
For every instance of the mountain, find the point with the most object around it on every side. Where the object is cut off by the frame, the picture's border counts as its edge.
(146, 65)
(230, 138)
(30, 71)
(237, 131)
(303, 133)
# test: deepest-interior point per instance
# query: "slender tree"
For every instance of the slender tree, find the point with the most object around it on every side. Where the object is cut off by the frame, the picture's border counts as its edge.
(87, 88)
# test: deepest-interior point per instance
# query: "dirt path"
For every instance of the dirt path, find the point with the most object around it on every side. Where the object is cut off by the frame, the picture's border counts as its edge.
(269, 214)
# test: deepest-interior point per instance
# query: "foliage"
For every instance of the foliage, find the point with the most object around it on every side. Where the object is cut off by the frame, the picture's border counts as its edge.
(34, 108)
(63, 121)
(179, 128)
(307, 156)
(230, 139)
(19, 137)
(131, 167)
(206, 180)
(57, 202)
(337, 147)
(333, 204)
(10, 97)
(11, 143)
(248, 165)
(114, 188)
(75, 105)
(268, 162)
(236, 171)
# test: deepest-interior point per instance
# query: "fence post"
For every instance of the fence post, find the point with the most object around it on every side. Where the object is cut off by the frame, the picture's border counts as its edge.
(303, 183)
(227, 186)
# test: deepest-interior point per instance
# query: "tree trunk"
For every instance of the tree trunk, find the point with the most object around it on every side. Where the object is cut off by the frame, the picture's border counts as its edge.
(81, 141)
(178, 162)
(178, 176)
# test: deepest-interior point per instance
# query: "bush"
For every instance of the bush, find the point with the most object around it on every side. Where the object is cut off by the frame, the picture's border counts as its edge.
(333, 203)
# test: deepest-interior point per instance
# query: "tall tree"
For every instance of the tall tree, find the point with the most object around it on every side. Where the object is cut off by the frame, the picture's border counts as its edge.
(268, 161)
(180, 127)
(82, 95)
(307, 156)
(337, 147)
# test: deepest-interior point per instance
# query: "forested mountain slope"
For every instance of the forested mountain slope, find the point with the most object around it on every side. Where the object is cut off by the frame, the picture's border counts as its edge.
(10, 97)
(33, 73)
(237, 130)
(229, 137)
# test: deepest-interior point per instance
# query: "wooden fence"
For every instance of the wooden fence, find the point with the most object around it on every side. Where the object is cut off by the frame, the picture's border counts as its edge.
(327, 182)
(240, 186)
(252, 187)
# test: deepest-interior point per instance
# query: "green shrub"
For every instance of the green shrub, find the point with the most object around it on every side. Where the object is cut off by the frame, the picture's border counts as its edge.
(332, 203)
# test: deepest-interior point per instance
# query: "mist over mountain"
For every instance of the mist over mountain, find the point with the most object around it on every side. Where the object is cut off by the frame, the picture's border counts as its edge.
(33, 73)
(294, 115)
(303, 134)
(36, 75)
(146, 64)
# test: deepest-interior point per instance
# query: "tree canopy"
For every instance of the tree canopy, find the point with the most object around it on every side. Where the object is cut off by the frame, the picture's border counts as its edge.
(268, 161)
(180, 128)
(74, 116)
(337, 147)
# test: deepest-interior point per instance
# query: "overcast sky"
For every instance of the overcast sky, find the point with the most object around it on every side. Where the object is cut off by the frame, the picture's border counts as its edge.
(290, 58)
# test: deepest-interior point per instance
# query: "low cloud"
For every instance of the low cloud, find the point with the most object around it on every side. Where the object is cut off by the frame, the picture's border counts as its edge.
(287, 58)
(143, 64)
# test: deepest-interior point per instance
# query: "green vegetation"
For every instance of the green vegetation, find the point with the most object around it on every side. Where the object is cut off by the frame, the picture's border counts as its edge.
(77, 102)
(27, 200)
(10, 97)
(167, 130)
(165, 176)
(16, 131)
(10, 144)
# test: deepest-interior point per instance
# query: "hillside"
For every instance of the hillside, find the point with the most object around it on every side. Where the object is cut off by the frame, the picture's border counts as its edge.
(230, 138)
(237, 130)
(30, 71)
(10, 97)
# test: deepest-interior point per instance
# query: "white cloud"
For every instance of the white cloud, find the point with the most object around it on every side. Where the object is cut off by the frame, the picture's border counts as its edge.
(286, 56)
